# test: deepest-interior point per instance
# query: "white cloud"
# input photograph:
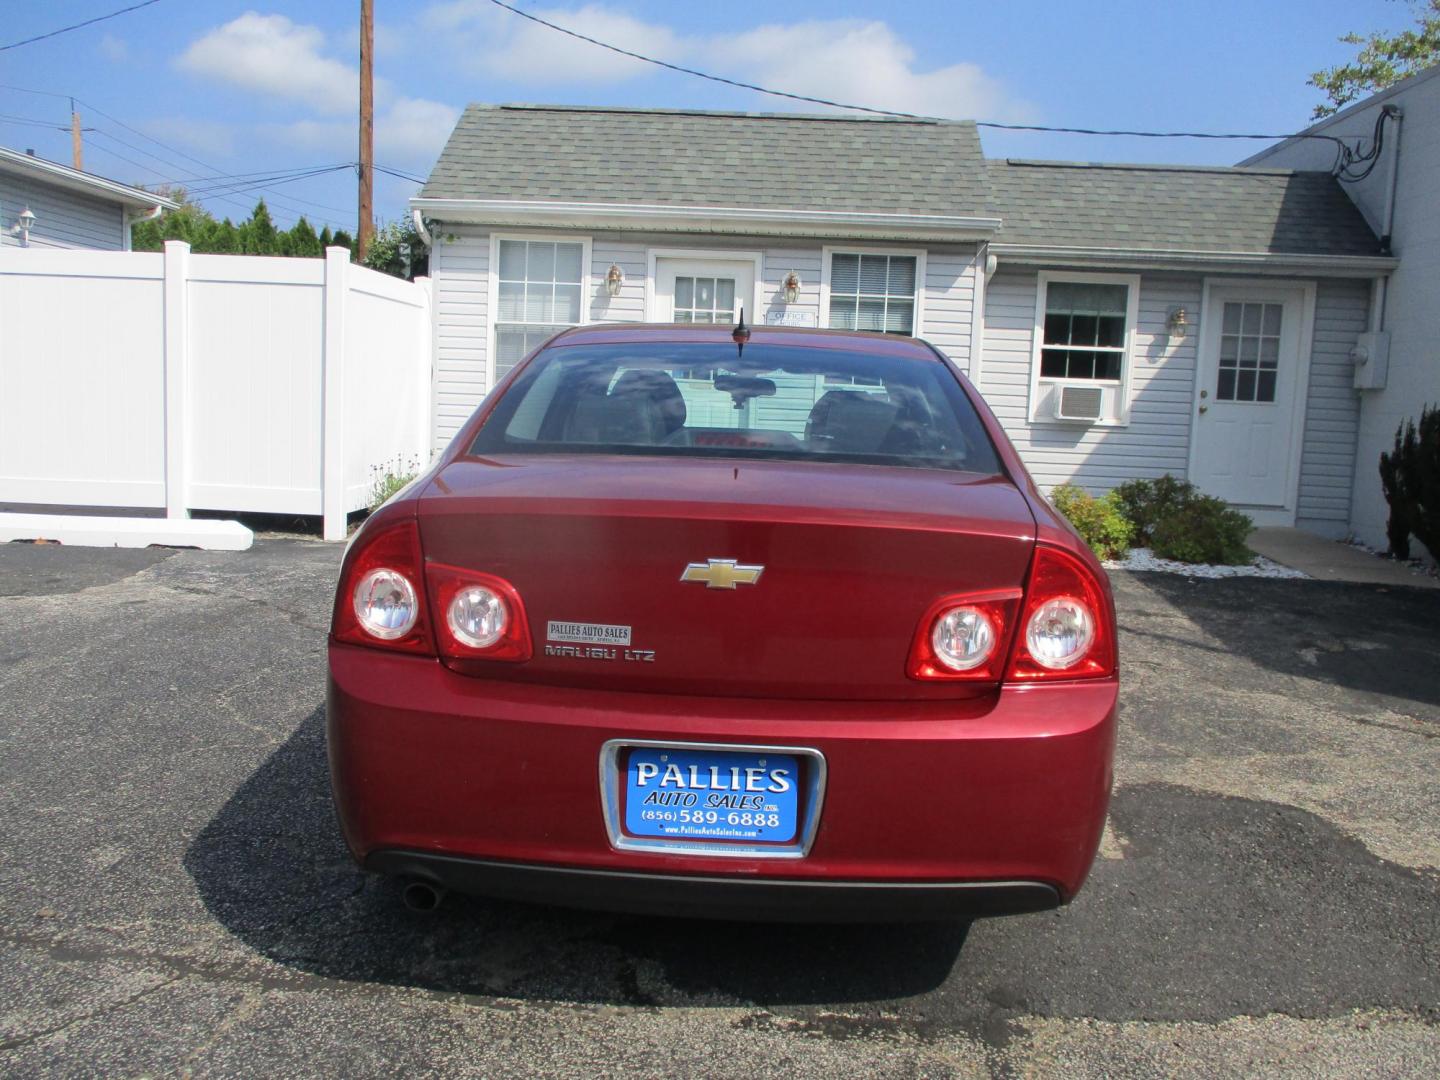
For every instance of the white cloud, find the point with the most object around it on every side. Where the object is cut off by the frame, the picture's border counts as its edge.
(495, 42)
(865, 63)
(271, 55)
(114, 49)
(409, 134)
(862, 61)
(208, 138)
(412, 131)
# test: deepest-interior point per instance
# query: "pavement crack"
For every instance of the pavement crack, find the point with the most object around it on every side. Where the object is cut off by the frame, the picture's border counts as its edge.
(296, 618)
(104, 1010)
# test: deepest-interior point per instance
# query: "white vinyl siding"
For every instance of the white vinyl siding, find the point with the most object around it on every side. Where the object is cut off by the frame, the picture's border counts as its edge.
(949, 302)
(1162, 373)
(63, 219)
(461, 271)
(1162, 394)
(1332, 409)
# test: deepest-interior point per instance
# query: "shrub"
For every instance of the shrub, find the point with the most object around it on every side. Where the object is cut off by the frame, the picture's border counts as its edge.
(1410, 478)
(1100, 522)
(387, 479)
(1146, 503)
(1203, 530)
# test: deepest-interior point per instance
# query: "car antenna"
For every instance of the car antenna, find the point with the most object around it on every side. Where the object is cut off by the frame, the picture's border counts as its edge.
(741, 334)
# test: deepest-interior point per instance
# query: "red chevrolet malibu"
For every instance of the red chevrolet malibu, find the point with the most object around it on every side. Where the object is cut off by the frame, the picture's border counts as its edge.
(757, 625)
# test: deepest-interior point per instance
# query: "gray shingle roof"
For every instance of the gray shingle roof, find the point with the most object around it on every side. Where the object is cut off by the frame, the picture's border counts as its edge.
(1261, 211)
(789, 161)
(754, 160)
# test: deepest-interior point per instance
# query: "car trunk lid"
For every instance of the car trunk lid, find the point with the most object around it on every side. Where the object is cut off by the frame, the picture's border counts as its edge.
(623, 565)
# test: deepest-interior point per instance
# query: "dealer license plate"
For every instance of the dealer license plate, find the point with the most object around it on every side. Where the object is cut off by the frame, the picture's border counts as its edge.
(711, 795)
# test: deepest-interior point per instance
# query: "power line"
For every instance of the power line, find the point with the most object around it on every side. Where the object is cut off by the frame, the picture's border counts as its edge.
(215, 198)
(398, 174)
(890, 112)
(26, 121)
(79, 25)
(196, 185)
(190, 157)
(284, 204)
(194, 178)
(261, 184)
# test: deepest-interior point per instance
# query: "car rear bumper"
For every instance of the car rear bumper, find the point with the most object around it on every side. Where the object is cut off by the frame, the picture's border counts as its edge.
(931, 809)
(688, 896)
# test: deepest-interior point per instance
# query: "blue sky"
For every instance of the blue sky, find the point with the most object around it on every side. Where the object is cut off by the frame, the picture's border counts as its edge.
(256, 88)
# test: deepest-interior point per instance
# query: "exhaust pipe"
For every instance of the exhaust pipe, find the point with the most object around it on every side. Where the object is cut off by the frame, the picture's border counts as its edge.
(422, 896)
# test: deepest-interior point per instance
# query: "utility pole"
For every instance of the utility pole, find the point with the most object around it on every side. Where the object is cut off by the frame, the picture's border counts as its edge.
(77, 149)
(367, 129)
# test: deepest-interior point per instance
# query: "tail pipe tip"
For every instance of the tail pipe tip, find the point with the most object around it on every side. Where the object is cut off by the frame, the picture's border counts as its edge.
(423, 896)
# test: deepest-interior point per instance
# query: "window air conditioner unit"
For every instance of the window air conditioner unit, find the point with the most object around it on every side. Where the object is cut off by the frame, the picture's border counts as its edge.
(1078, 403)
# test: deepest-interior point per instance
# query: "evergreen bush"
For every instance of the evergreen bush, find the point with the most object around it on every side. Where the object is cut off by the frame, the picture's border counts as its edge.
(1146, 503)
(1100, 522)
(1410, 478)
(1203, 530)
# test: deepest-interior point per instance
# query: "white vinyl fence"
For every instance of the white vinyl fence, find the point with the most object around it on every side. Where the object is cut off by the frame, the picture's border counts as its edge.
(208, 382)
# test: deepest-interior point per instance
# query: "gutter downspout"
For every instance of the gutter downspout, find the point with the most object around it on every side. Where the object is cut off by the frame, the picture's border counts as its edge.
(130, 220)
(419, 221)
(1395, 113)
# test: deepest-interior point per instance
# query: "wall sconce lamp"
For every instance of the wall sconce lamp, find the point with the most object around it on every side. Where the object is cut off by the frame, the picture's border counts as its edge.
(614, 279)
(791, 285)
(24, 222)
(1178, 322)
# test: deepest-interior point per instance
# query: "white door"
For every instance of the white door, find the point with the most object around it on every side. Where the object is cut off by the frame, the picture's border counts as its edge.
(704, 290)
(1250, 379)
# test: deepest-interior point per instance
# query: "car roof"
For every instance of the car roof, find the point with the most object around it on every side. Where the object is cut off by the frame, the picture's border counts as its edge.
(795, 337)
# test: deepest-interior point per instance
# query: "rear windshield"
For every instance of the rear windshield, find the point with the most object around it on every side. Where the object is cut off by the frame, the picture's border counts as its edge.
(771, 401)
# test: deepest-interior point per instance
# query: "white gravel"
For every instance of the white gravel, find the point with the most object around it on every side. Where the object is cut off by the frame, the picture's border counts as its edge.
(1144, 559)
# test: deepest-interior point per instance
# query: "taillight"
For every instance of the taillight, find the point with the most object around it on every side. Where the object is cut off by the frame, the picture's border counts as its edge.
(965, 637)
(1065, 630)
(380, 599)
(479, 616)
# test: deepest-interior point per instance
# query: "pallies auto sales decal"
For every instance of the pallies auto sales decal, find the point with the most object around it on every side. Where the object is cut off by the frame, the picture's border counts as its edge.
(592, 641)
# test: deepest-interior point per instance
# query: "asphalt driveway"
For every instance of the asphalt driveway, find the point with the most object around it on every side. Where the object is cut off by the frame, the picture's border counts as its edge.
(175, 898)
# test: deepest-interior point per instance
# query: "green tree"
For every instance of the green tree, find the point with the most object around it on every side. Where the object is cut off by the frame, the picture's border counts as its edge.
(1383, 60)
(303, 242)
(258, 234)
(190, 223)
(396, 249)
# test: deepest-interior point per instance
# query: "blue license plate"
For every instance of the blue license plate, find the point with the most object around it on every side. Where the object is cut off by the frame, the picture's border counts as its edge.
(712, 795)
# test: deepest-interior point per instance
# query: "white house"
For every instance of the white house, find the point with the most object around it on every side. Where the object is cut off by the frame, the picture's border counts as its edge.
(47, 205)
(1122, 321)
(1400, 198)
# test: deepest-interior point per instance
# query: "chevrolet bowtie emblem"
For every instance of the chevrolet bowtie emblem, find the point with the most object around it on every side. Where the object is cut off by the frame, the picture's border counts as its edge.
(722, 573)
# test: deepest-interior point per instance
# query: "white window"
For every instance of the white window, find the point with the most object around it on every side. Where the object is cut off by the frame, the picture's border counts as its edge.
(874, 290)
(1084, 325)
(539, 287)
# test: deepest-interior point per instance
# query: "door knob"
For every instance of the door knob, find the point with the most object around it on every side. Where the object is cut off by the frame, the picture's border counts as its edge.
(1204, 408)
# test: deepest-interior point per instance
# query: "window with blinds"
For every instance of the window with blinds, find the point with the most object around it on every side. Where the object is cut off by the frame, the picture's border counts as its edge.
(539, 295)
(873, 292)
